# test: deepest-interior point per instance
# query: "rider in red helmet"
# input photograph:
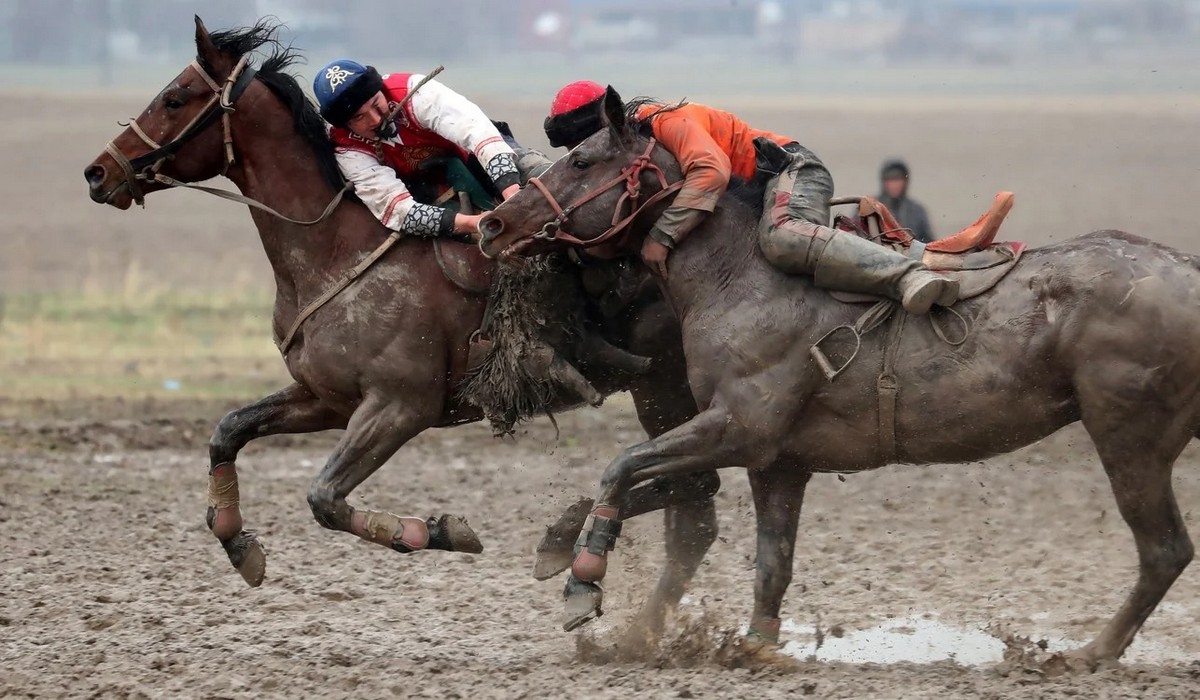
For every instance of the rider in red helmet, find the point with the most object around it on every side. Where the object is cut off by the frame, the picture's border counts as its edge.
(713, 147)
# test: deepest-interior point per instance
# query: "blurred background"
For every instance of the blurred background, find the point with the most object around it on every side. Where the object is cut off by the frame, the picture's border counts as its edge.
(733, 46)
(1087, 109)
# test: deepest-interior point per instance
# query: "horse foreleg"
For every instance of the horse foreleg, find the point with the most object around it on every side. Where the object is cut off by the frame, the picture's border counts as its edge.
(701, 444)
(689, 492)
(375, 431)
(778, 493)
(594, 350)
(291, 410)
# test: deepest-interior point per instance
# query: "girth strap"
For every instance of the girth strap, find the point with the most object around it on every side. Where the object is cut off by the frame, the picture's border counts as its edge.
(888, 388)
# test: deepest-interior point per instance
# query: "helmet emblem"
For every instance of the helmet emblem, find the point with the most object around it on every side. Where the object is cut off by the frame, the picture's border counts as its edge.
(336, 75)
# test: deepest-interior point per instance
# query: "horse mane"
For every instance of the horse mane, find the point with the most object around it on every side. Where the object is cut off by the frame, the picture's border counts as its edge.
(641, 125)
(273, 73)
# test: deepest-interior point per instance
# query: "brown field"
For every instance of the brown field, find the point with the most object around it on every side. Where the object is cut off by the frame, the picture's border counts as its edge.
(112, 586)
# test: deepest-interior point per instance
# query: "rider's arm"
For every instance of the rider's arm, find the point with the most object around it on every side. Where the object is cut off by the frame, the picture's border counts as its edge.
(457, 119)
(389, 200)
(706, 173)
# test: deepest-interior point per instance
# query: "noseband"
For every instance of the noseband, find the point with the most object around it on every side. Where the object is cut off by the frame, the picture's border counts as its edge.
(144, 168)
(631, 177)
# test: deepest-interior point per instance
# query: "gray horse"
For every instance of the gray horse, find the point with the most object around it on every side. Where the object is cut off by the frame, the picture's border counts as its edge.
(1103, 328)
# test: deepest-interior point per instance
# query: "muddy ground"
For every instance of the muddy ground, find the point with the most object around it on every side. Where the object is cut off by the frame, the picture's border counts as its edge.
(112, 586)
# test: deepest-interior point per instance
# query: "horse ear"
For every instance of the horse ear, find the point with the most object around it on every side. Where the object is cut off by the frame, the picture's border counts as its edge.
(206, 50)
(613, 115)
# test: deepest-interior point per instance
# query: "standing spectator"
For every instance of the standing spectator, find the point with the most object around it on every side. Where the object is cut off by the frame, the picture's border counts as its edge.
(893, 179)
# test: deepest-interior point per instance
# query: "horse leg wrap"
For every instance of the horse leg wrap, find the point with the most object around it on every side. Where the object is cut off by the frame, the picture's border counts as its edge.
(401, 534)
(596, 540)
(765, 629)
(224, 514)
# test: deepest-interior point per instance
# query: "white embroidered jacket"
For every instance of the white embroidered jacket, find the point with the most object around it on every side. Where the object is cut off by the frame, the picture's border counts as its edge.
(436, 121)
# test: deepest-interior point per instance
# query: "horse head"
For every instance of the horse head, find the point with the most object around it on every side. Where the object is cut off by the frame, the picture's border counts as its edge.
(607, 183)
(176, 135)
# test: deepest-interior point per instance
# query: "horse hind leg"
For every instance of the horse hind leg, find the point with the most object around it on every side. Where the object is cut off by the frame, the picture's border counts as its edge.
(290, 410)
(375, 432)
(1138, 455)
(778, 494)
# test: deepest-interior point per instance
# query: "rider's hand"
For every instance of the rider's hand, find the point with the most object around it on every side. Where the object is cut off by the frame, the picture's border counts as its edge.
(468, 224)
(654, 254)
(510, 191)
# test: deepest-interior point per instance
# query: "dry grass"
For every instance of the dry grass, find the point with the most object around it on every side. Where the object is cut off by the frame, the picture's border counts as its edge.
(137, 342)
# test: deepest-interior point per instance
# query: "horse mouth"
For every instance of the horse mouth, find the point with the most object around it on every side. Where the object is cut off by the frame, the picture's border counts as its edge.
(118, 196)
(519, 248)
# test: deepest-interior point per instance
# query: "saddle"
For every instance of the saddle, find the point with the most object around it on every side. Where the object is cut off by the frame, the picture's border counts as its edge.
(971, 256)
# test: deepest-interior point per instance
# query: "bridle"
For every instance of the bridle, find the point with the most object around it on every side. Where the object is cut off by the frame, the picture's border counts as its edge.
(631, 177)
(145, 168)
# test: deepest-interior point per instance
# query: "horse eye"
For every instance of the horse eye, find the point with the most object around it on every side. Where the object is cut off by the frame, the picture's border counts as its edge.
(173, 103)
(580, 164)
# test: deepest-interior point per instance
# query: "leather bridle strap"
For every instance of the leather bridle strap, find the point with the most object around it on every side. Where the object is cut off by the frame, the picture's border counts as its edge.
(152, 161)
(145, 168)
(630, 176)
(241, 199)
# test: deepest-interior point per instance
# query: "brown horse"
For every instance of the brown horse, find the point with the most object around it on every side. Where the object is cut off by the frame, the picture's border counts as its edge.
(382, 359)
(1103, 328)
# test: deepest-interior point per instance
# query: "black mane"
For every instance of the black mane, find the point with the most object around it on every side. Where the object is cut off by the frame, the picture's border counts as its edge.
(307, 121)
(633, 106)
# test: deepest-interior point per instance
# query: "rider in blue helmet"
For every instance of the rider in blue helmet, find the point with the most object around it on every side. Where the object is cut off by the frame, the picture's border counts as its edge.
(410, 160)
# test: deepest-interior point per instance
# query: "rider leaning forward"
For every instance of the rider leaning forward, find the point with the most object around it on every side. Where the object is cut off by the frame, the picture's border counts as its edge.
(713, 147)
(408, 159)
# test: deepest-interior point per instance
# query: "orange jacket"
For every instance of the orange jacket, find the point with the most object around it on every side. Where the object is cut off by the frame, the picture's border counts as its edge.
(711, 147)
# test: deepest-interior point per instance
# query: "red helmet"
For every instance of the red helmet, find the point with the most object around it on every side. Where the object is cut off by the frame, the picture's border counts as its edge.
(575, 113)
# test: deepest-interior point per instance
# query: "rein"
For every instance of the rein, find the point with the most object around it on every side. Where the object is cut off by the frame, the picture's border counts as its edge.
(631, 177)
(145, 168)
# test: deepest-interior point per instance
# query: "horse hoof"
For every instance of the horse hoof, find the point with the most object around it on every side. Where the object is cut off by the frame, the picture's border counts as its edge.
(642, 365)
(248, 556)
(453, 534)
(581, 603)
(1070, 663)
(756, 653)
(556, 551)
(550, 563)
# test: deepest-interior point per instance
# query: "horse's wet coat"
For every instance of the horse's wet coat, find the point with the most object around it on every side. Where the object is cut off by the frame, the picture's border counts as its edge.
(383, 358)
(1102, 328)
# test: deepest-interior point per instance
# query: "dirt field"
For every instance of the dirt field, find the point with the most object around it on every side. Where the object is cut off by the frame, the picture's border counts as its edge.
(113, 587)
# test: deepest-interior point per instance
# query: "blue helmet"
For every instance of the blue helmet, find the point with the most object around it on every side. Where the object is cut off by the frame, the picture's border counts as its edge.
(342, 87)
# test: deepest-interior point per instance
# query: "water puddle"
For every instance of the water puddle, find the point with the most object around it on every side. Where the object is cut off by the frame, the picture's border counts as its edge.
(904, 640)
(924, 639)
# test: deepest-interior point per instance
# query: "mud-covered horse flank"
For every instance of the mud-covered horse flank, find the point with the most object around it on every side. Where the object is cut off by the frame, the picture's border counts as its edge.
(383, 359)
(1101, 329)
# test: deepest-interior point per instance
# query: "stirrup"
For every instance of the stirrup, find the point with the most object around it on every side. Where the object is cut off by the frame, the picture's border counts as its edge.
(822, 359)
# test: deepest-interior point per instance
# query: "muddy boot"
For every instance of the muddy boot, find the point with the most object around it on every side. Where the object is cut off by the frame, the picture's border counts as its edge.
(852, 264)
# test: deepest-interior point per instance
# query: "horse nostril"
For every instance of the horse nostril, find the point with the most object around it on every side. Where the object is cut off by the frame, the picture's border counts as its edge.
(491, 226)
(94, 174)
